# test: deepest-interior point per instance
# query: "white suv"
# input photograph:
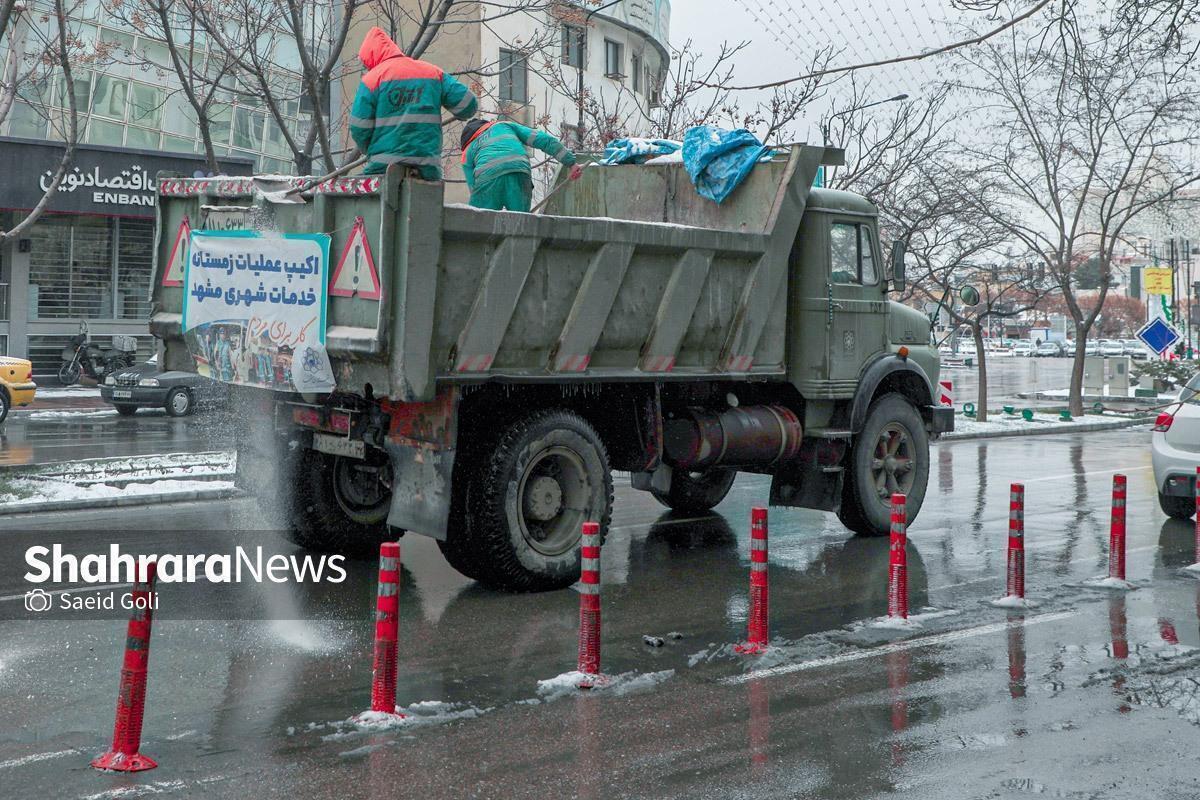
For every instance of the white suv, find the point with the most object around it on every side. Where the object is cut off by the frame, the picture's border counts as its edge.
(1175, 452)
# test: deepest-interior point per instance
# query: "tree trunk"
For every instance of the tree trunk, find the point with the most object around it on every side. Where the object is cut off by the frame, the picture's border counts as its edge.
(1075, 401)
(981, 400)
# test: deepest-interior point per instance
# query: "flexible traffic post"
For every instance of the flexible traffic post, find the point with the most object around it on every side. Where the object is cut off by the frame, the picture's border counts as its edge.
(1116, 536)
(589, 607)
(1016, 540)
(387, 630)
(131, 697)
(898, 560)
(757, 632)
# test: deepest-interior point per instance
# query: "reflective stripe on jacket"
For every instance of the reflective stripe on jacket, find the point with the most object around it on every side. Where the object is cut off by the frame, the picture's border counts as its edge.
(397, 114)
(499, 149)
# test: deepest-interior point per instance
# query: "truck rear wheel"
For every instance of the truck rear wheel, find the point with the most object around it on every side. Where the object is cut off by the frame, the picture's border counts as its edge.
(696, 492)
(527, 501)
(339, 505)
(890, 454)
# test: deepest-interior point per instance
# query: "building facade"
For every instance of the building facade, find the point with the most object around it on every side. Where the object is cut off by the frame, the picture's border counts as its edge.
(89, 257)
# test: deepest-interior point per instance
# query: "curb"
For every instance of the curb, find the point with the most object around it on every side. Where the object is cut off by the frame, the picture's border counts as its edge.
(121, 502)
(1057, 429)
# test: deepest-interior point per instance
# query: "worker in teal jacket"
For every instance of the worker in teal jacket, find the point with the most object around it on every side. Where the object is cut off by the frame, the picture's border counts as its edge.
(496, 165)
(397, 114)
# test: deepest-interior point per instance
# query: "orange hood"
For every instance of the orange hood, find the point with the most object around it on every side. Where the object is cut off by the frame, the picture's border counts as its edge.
(377, 46)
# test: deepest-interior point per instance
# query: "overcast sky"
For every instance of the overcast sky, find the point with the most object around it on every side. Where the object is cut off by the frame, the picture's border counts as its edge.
(784, 33)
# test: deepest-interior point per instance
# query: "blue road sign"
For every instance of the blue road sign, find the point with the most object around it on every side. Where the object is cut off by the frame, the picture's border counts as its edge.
(1158, 335)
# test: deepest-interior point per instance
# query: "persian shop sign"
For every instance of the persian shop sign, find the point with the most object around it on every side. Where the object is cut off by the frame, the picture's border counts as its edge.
(130, 187)
(100, 180)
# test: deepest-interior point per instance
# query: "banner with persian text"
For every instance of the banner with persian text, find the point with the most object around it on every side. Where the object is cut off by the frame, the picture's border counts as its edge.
(254, 309)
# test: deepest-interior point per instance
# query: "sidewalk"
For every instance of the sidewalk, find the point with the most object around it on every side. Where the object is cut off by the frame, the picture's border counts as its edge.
(1000, 424)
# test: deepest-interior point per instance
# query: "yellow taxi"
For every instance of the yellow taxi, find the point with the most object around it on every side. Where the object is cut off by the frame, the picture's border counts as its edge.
(16, 384)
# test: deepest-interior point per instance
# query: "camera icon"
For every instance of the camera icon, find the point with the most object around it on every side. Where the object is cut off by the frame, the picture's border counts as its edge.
(37, 600)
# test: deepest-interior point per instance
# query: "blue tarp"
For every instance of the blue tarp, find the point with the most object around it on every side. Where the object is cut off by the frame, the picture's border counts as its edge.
(718, 159)
(635, 150)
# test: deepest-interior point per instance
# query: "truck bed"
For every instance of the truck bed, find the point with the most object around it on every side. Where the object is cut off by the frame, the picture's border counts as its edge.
(677, 287)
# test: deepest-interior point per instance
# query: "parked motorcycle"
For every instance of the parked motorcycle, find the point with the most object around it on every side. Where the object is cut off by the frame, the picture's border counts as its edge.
(81, 357)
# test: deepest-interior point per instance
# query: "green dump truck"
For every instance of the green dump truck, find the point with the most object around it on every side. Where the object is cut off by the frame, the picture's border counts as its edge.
(485, 372)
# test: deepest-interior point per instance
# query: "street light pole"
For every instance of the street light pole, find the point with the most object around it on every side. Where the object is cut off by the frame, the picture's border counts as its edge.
(580, 42)
(825, 175)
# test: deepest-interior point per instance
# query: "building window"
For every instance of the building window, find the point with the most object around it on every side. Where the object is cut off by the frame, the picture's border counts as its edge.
(513, 84)
(635, 71)
(572, 136)
(574, 45)
(614, 59)
(653, 88)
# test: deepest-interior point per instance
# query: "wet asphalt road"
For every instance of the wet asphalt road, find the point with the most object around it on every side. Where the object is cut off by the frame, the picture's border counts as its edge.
(43, 437)
(1090, 695)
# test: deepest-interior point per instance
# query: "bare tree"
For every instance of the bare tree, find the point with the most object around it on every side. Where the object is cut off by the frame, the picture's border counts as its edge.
(1092, 126)
(200, 78)
(54, 56)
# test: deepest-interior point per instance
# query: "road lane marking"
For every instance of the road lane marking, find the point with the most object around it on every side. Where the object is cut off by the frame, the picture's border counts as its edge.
(80, 588)
(910, 644)
(1034, 549)
(1085, 474)
(35, 757)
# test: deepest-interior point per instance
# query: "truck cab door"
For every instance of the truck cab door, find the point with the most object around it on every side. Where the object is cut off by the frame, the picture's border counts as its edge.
(857, 321)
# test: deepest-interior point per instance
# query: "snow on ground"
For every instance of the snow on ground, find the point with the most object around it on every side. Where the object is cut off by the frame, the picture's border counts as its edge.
(1003, 423)
(112, 412)
(1012, 601)
(72, 392)
(23, 492)
(426, 712)
(567, 683)
(1111, 584)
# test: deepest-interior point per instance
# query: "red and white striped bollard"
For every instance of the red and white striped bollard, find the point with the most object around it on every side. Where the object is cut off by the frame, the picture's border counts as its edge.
(946, 393)
(898, 560)
(757, 620)
(589, 607)
(1016, 541)
(1116, 536)
(131, 697)
(387, 630)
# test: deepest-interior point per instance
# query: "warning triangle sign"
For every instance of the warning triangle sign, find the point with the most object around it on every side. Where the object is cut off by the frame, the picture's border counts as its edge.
(355, 272)
(173, 275)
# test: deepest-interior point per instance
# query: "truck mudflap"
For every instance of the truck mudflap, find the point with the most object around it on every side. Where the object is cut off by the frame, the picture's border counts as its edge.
(421, 442)
(941, 419)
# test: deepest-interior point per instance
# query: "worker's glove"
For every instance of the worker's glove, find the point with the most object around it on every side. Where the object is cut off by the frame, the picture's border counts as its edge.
(576, 171)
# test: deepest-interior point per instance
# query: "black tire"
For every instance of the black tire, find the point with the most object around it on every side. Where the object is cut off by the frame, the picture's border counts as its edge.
(125, 410)
(892, 421)
(322, 518)
(5, 404)
(520, 512)
(696, 493)
(179, 402)
(1177, 507)
(68, 374)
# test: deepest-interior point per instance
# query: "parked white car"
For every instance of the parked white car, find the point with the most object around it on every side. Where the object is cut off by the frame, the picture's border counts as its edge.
(1022, 348)
(1111, 348)
(1175, 452)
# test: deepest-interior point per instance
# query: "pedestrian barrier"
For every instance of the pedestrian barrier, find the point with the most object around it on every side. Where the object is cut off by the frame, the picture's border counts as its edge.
(124, 756)
(898, 561)
(589, 608)
(387, 631)
(1116, 535)
(757, 619)
(946, 393)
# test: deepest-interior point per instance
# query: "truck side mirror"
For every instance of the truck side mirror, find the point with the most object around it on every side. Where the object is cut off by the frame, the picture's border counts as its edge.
(899, 251)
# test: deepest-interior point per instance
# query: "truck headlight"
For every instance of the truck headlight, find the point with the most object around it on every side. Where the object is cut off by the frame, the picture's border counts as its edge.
(110, 381)
(148, 382)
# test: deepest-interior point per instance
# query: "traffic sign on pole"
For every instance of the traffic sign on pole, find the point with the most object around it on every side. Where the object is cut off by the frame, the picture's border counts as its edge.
(1158, 335)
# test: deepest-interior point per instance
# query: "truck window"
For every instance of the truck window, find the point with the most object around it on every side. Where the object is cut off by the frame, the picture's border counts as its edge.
(851, 255)
(843, 252)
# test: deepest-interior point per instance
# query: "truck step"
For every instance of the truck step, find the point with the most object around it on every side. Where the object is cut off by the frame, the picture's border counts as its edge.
(828, 433)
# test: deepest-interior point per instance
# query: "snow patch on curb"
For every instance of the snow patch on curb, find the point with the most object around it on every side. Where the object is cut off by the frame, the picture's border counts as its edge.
(112, 412)
(25, 493)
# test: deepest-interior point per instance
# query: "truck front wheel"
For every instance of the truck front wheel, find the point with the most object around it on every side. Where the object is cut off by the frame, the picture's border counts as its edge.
(529, 496)
(696, 492)
(890, 454)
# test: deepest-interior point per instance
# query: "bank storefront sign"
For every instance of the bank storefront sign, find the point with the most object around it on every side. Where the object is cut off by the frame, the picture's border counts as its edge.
(101, 180)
